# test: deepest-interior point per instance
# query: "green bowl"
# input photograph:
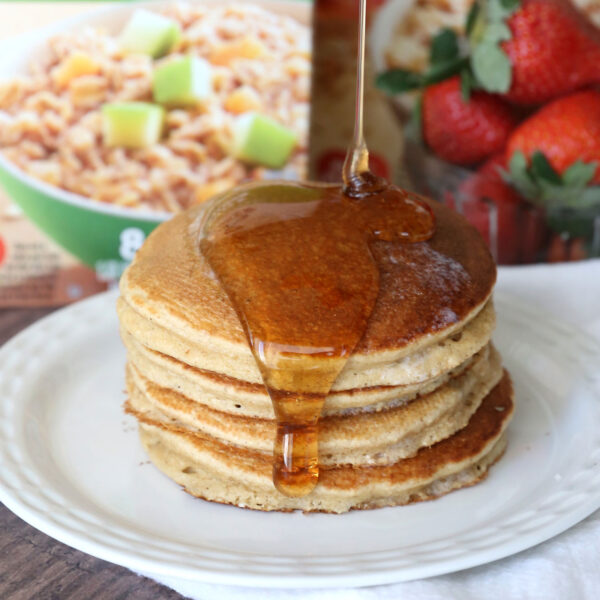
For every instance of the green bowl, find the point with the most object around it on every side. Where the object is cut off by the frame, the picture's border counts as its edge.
(103, 236)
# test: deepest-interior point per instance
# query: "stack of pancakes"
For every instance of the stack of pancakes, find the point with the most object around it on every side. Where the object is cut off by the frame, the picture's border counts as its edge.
(419, 410)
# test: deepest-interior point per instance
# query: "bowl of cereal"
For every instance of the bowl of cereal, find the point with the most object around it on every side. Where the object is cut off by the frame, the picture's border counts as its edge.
(114, 120)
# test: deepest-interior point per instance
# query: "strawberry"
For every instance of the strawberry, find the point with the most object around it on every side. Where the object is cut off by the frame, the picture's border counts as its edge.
(553, 50)
(554, 161)
(462, 131)
(461, 124)
(563, 249)
(497, 211)
(565, 131)
(533, 50)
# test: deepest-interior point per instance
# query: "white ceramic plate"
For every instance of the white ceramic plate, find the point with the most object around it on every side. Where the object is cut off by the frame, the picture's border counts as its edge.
(71, 466)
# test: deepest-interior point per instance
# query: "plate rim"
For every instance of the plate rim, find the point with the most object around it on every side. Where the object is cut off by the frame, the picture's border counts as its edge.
(300, 577)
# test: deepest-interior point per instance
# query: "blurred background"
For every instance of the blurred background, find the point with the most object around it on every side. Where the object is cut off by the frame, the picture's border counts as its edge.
(456, 110)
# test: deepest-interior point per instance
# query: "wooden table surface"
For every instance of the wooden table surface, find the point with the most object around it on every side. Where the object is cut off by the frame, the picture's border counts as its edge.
(33, 566)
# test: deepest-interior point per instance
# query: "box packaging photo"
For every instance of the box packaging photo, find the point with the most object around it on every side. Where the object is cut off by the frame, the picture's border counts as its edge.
(110, 124)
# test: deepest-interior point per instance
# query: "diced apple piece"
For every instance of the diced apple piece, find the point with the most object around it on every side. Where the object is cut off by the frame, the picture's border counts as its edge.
(132, 124)
(261, 140)
(149, 33)
(75, 65)
(182, 82)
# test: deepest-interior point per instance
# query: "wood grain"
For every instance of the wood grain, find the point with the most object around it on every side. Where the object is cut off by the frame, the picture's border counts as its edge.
(33, 566)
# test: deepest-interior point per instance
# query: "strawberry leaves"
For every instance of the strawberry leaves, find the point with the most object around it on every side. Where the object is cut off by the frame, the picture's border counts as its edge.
(446, 60)
(579, 174)
(491, 67)
(569, 203)
(481, 65)
(472, 18)
(487, 29)
(467, 83)
(396, 81)
(444, 47)
(501, 9)
(538, 181)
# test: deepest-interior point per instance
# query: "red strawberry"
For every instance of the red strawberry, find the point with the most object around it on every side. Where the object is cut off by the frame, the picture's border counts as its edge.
(464, 132)
(492, 169)
(513, 230)
(563, 249)
(565, 131)
(553, 50)
(488, 203)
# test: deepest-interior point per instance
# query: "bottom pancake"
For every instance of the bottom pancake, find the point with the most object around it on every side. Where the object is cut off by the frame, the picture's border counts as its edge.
(224, 473)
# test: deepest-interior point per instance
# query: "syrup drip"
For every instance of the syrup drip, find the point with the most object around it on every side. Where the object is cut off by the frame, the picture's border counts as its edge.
(295, 261)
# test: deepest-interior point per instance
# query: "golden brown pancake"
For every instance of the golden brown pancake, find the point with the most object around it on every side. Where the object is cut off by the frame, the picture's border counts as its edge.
(419, 409)
(427, 289)
(230, 394)
(356, 437)
(224, 473)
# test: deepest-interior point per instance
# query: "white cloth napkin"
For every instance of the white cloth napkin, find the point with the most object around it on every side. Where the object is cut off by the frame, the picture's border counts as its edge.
(566, 567)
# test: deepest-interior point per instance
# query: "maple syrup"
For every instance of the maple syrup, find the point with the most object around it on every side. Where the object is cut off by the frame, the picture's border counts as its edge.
(295, 261)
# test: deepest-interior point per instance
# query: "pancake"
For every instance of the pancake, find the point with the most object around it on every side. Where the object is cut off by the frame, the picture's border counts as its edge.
(213, 470)
(362, 437)
(442, 353)
(428, 292)
(230, 394)
(418, 410)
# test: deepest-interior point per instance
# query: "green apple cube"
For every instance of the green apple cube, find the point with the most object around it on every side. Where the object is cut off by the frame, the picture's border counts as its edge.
(132, 124)
(182, 82)
(263, 141)
(149, 33)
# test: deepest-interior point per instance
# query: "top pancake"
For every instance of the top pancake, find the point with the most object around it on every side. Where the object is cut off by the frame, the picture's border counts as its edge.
(426, 289)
